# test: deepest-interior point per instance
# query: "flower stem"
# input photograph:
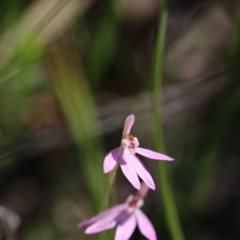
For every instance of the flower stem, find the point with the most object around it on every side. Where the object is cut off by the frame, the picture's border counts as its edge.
(169, 204)
(111, 178)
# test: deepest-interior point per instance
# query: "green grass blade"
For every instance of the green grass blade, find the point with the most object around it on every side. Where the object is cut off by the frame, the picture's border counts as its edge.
(167, 196)
(76, 102)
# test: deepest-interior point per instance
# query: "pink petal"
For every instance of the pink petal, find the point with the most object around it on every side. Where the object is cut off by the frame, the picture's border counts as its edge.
(111, 159)
(107, 220)
(142, 172)
(153, 155)
(128, 124)
(145, 226)
(128, 169)
(101, 225)
(125, 230)
(111, 211)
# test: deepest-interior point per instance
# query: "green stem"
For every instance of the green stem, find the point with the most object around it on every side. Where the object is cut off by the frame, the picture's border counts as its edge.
(111, 178)
(167, 196)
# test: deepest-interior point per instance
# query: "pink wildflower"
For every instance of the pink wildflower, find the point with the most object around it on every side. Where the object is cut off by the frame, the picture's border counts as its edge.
(129, 162)
(125, 217)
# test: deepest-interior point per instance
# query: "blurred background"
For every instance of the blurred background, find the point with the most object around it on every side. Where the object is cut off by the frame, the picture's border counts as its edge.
(70, 73)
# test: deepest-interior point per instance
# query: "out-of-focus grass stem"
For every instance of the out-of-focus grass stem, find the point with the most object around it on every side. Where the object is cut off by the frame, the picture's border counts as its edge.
(76, 101)
(167, 196)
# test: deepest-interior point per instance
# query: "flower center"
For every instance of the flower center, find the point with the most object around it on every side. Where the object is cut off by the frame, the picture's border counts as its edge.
(134, 202)
(130, 142)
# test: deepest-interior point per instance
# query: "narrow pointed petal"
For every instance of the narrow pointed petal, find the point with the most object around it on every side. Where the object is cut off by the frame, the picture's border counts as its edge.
(111, 159)
(125, 230)
(142, 172)
(128, 169)
(107, 220)
(128, 124)
(145, 226)
(153, 155)
(101, 225)
(111, 211)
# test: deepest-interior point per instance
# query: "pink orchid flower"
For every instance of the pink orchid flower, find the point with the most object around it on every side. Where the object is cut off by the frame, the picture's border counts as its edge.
(129, 162)
(125, 216)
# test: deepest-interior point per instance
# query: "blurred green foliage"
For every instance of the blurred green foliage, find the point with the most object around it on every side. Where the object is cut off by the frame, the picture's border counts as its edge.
(56, 68)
